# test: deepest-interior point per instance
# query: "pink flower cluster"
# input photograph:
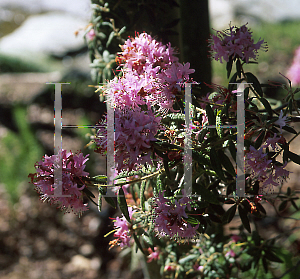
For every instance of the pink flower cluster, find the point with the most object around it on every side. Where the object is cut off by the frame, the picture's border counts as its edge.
(169, 217)
(72, 170)
(122, 234)
(151, 75)
(235, 43)
(134, 132)
(148, 86)
(294, 71)
(262, 169)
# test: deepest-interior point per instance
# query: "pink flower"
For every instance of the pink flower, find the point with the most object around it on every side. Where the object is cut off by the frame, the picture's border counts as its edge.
(91, 34)
(153, 255)
(134, 131)
(230, 253)
(281, 121)
(235, 43)
(122, 234)
(169, 219)
(235, 238)
(294, 71)
(72, 184)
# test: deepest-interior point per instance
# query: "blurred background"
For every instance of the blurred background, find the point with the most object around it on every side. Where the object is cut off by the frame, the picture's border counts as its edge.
(42, 41)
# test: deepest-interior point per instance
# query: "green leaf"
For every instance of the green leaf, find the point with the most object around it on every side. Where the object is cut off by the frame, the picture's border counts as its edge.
(167, 169)
(205, 194)
(244, 218)
(232, 149)
(290, 106)
(239, 68)
(138, 243)
(283, 205)
(232, 80)
(229, 66)
(294, 157)
(149, 241)
(266, 105)
(255, 83)
(123, 205)
(285, 155)
(210, 115)
(216, 164)
(226, 163)
(265, 264)
(142, 195)
(111, 36)
(220, 130)
(289, 129)
(229, 214)
(259, 139)
(110, 201)
(88, 192)
(187, 259)
(272, 257)
(100, 201)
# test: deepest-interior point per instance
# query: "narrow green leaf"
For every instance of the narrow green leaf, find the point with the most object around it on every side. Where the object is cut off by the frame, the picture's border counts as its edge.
(142, 195)
(210, 115)
(232, 80)
(244, 218)
(272, 257)
(88, 192)
(255, 83)
(229, 214)
(232, 150)
(123, 205)
(110, 201)
(149, 241)
(100, 201)
(265, 264)
(290, 106)
(289, 129)
(226, 163)
(167, 169)
(138, 244)
(206, 195)
(259, 140)
(282, 206)
(111, 36)
(294, 205)
(294, 157)
(220, 131)
(229, 66)
(266, 105)
(216, 164)
(239, 68)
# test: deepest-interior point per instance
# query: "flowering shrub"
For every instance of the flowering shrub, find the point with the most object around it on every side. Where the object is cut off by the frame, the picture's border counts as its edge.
(150, 136)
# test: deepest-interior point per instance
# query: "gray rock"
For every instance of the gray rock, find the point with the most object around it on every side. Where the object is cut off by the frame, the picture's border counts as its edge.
(76, 7)
(252, 11)
(46, 34)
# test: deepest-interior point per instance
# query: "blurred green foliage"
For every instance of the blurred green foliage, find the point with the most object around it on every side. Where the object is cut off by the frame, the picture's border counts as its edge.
(18, 154)
(11, 64)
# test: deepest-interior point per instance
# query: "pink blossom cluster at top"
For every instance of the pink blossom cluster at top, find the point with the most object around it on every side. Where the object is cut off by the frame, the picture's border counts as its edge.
(148, 86)
(262, 169)
(294, 71)
(169, 217)
(122, 233)
(235, 43)
(150, 76)
(72, 170)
